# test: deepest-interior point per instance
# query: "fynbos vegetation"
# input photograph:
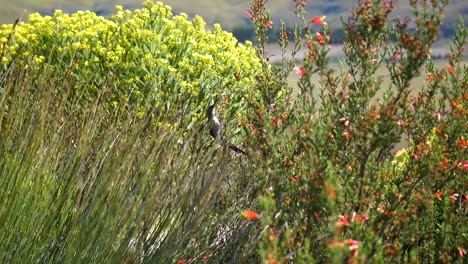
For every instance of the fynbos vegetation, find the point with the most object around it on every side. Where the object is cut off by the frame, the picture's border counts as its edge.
(106, 154)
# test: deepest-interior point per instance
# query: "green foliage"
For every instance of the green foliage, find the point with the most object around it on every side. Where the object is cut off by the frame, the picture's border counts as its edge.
(334, 191)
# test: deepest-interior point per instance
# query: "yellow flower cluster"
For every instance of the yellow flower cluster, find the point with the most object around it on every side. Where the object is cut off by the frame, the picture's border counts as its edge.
(148, 47)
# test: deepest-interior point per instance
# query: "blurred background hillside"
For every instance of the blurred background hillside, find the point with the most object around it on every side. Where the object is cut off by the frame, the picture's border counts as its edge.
(229, 13)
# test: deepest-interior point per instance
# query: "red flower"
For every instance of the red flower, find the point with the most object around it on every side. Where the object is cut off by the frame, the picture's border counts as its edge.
(181, 261)
(276, 122)
(345, 121)
(249, 214)
(437, 195)
(380, 209)
(360, 218)
(463, 143)
(347, 134)
(250, 15)
(454, 196)
(342, 221)
(461, 251)
(430, 77)
(319, 20)
(268, 24)
(300, 71)
(320, 39)
(450, 69)
(353, 246)
(395, 56)
(294, 179)
(463, 164)
(401, 122)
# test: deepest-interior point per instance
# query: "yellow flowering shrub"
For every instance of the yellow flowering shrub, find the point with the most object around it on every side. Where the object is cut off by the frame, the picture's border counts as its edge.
(147, 53)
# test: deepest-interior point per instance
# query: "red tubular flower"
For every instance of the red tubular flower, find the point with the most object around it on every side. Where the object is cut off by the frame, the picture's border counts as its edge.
(250, 15)
(353, 246)
(430, 77)
(268, 24)
(320, 39)
(450, 69)
(319, 20)
(461, 252)
(454, 196)
(345, 121)
(463, 143)
(437, 195)
(300, 71)
(342, 221)
(381, 210)
(463, 164)
(395, 56)
(294, 179)
(360, 218)
(401, 122)
(347, 134)
(252, 215)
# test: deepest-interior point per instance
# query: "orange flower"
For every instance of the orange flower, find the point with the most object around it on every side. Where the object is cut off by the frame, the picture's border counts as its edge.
(430, 77)
(463, 143)
(249, 214)
(360, 218)
(320, 39)
(450, 69)
(294, 179)
(268, 24)
(276, 122)
(381, 210)
(319, 20)
(437, 195)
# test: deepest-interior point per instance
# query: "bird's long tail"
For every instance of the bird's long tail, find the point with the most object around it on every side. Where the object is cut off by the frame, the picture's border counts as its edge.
(236, 149)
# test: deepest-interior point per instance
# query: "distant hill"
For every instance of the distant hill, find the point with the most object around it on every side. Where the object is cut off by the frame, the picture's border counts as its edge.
(229, 13)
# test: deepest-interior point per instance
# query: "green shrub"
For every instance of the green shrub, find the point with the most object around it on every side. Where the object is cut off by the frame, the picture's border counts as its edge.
(334, 190)
(147, 54)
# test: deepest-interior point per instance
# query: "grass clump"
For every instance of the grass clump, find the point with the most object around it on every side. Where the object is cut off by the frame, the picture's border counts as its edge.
(105, 152)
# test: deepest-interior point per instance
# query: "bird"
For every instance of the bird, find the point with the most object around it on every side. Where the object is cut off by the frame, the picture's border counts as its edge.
(216, 129)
